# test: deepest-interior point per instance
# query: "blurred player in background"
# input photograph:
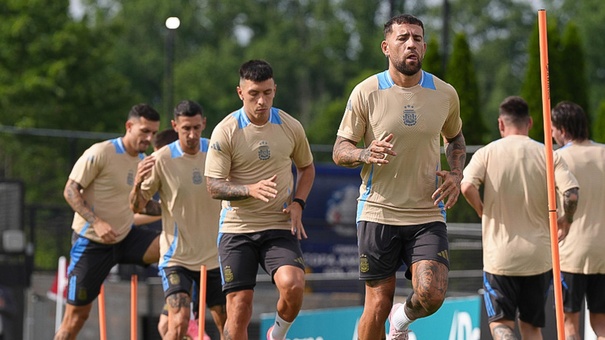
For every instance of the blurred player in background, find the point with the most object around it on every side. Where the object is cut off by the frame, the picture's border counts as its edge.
(103, 231)
(190, 220)
(582, 252)
(517, 264)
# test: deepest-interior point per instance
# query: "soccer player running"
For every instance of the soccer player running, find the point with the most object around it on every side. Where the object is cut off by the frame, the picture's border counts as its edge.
(517, 265)
(249, 167)
(399, 114)
(103, 233)
(190, 219)
(582, 253)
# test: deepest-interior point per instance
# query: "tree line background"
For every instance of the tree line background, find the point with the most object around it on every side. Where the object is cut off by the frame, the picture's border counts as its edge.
(60, 71)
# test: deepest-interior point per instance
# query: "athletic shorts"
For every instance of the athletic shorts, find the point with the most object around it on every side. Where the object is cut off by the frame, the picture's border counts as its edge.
(92, 261)
(578, 286)
(504, 295)
(384, 248)
(177, 279)
(240, 255)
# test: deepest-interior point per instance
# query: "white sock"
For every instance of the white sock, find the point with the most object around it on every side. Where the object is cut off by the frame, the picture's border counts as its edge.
(280, 328)
(400, 319)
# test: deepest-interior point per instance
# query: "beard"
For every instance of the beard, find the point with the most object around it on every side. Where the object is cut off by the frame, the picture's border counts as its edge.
(406, 69)
(143, 146)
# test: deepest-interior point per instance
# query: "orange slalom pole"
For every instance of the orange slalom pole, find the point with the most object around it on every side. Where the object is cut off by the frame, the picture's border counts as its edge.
(202, 303)
(133, 306)
(102, 324)
(552, 203)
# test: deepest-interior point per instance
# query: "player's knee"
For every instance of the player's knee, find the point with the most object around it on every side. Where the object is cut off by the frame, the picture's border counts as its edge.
(79, 316)
(431, 303)
(291, 287)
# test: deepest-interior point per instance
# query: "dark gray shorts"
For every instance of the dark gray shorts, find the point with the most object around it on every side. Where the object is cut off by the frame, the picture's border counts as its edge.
(177, 279)
(90, 262)
(241, 254)
(383, 249)
(505, 295)
(578, 286)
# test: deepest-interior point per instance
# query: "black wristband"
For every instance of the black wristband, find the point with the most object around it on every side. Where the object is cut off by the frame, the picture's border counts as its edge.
(300, 201)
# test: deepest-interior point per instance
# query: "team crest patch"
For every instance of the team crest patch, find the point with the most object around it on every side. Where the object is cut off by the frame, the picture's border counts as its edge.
(409, 115)
(197, 176)
(228, 274)
(130, 178)
(82, 294)
(263, 151)
(174, 279)
(364, 264)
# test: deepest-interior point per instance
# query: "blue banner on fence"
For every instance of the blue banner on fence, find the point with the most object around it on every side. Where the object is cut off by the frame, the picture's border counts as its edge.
(457, 319)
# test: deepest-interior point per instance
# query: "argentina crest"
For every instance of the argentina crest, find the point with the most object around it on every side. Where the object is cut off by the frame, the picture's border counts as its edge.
(264, 153)
(197, 176)
(409, 115)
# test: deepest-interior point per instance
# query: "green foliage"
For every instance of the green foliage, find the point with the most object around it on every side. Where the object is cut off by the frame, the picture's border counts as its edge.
(531, 90)
(589, 16)
(323, 129)
(573, 57)
(461, 74)
(498, 32)
(433, 60)
(598, 128)
(54, 74)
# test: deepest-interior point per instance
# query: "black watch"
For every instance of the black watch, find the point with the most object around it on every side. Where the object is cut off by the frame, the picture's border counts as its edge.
(300, 201)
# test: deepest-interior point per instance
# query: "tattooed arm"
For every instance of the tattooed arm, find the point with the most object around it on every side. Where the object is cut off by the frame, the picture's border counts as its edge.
(222, 189)
(347, 154)
(73, 196)
(449, 190)
(570, 204)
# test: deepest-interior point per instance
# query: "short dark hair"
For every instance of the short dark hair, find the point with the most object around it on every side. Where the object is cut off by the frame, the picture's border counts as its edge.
(145, 111)
(256, 70)
(572, 118)
(515, 109)
(164, 137)
(188, 108)
(402, 19)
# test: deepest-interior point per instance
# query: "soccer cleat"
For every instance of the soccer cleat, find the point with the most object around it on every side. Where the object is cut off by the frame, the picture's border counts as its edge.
(394, 334)
(269, 333)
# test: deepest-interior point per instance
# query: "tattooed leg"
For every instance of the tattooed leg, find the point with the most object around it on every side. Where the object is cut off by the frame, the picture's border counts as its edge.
(429, 283)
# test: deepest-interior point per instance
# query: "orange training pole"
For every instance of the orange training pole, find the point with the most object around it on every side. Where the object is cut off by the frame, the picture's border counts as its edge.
(552, 203)
(133, 306)
(202, 304)
(102, 324)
